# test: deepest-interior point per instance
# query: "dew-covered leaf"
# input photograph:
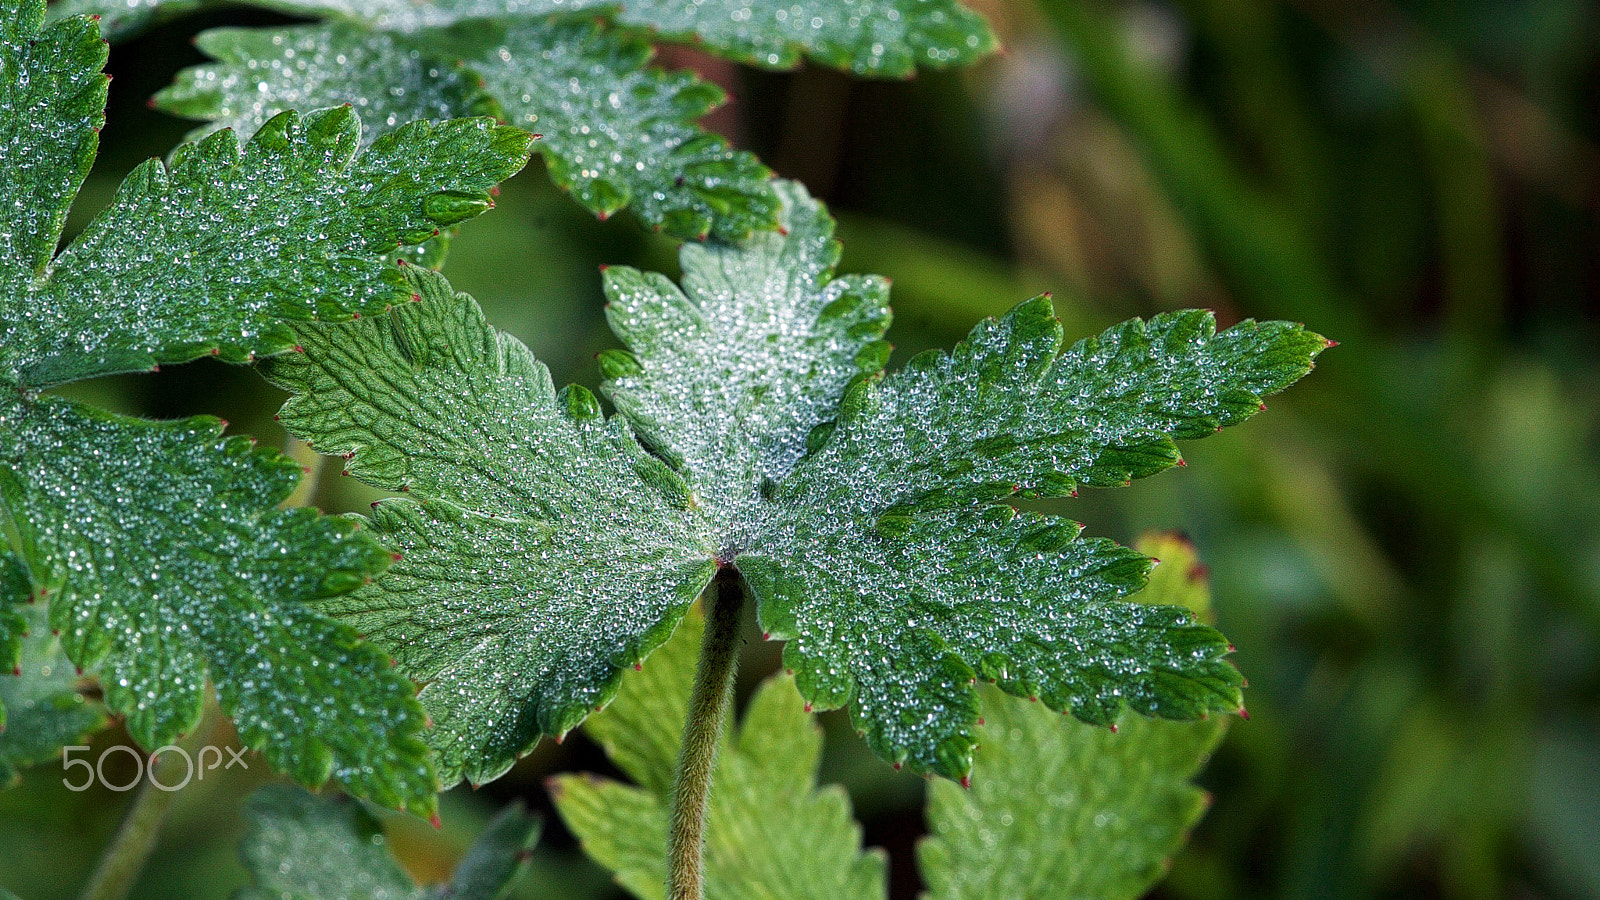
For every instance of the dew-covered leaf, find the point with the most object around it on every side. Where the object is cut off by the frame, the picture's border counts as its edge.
(770, 831)
(41, 709)
(543, 549)
(616, 132)
(164, 560)
(124, 18)
(216, 253)
(1062, 809)
(876, 38)
(897, 580)
(329, 848)
(212, 253)
(390, 79)
(869, 527)
(310, 848)
(157, 545)
(727, 376)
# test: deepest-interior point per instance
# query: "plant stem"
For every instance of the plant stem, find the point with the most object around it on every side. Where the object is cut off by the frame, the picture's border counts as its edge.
(702, 734)
(124, 859)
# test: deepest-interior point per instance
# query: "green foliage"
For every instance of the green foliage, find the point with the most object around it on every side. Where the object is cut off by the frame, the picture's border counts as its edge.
(618, 134)
(615, 132)
(867, 37)
(1065, 809)
(728, 376)
(214, 254)
(158, 545)
(41, 709)
(548, 548)
(544, 549)
(302, 847)
(897, 581)
(770, 831)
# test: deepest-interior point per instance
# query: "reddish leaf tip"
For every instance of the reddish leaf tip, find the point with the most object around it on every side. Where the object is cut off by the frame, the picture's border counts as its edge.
(434, 821)
(1244, 714)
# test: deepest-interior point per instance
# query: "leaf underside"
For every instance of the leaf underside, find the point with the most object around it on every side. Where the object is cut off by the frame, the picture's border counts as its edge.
(1067, 810)
(329, 848)
(867, 513)
(157, 547)
(770, 831)
(541, 548)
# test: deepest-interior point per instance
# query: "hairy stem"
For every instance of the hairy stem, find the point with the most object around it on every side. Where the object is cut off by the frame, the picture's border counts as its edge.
(124, 859)
(708, 708)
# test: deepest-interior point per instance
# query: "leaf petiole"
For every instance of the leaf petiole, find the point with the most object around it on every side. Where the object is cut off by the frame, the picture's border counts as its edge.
(702, 734)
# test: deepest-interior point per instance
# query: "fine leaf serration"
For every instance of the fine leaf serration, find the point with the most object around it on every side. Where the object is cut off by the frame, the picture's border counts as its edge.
(884, 38)
(1067, 810)
(615, 132)
(618, 133)
(157, 545)
(866, 513)
(544, 548)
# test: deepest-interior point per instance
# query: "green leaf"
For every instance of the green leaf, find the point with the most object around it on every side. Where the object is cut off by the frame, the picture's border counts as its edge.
(883, 554)
(124, 18)
(770, 831)
(390, 79)
(897, 581)
(495, 860)
(41, 709)
(1061, 809)
(157, 545)
(165, 560)
(544, 549)
(309, 848)
(14, 591)
(878, 38)
(616, 133)
(729, 375)
(215, 254)
(52, 106)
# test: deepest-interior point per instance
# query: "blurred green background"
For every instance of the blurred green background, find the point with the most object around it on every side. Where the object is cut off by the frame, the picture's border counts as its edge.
(1406, 550)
